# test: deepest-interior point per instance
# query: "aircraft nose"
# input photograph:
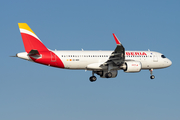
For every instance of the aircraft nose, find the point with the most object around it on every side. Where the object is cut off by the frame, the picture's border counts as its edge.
(169, 62)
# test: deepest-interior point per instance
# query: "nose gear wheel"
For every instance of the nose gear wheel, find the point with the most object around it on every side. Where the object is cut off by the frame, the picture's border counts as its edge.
(152, 76)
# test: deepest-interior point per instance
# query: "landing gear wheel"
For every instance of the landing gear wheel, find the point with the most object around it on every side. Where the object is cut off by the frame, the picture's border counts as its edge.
(108, 75)
(93, 78)
(151, 72)
(152, 76)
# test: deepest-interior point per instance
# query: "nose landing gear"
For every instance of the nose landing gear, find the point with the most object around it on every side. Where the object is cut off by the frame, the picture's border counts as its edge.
(152, 76)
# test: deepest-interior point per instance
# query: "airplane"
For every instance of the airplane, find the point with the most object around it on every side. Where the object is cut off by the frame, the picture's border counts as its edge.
(103, 63)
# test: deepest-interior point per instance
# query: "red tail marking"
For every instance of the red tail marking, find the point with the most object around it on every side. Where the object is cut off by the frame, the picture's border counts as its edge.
(31, 42)
(47, 59)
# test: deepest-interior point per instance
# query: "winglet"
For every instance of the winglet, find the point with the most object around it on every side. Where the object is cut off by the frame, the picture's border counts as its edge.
(116, 39)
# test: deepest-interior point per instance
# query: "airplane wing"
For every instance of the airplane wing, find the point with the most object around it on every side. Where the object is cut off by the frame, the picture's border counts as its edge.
(118, 55)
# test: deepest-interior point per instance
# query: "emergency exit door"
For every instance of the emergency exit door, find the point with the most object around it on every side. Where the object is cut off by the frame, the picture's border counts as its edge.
(155, 58)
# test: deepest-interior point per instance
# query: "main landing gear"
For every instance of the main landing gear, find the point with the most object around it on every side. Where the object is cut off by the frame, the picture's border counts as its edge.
(152, 76)
(93, 78)
(108, 75)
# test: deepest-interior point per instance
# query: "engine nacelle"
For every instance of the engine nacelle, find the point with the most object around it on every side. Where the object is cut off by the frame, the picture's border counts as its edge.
(103, 73)
(132, 66)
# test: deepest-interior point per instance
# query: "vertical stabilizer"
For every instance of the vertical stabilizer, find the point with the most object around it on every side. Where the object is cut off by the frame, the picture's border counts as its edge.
(30, 40)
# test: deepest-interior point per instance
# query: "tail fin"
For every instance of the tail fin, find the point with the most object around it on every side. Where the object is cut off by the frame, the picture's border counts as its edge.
(30, 40)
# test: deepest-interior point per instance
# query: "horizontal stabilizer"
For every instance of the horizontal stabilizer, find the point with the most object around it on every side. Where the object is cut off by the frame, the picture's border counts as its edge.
(33, 52)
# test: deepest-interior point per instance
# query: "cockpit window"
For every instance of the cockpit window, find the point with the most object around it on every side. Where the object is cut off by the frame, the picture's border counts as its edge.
(163, 56)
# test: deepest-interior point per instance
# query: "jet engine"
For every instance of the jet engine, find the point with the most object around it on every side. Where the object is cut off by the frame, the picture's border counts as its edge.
(132, 66)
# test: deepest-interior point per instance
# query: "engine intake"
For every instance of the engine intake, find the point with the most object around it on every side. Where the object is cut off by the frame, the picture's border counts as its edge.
(132, 66)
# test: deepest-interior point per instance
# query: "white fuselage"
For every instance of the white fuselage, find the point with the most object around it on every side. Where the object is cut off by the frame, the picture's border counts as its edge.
(81, 59)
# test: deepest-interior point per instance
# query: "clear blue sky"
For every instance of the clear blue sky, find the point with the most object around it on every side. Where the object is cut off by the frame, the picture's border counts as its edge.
(29, 91)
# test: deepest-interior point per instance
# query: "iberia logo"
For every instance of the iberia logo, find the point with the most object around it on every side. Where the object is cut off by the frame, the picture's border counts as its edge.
(134, 64)
(135, 53)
